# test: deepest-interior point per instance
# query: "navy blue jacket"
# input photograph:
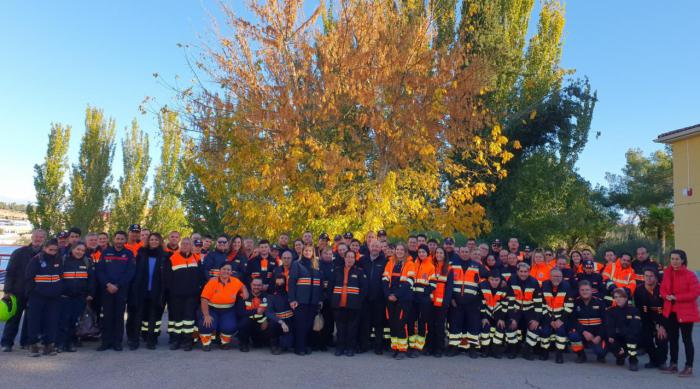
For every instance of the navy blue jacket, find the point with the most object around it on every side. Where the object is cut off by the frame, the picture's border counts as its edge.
(326, 269)
(14, 277)
(116, 267)
(42, 276)
(304, 283)
(374, 271)
(355, 290)
(139, 286)
(78, 277)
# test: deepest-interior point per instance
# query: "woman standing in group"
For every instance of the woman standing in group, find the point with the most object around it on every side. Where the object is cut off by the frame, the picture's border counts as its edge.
(304, 296)
(576, 262)
(349, 286)
(398, 278)
(148, 289)
(441, 297)
(183, 279)
(298, 249)
(680, 291)
(422, 306)
(78, 289)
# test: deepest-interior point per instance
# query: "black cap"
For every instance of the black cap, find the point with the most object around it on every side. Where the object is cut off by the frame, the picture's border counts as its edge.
(449, 241)
(527, 248)
(135, 228)
(347, 235)
(274, 247)
(381, 233)
(337, 238)
(323, 236)
(62, 235)
(587, 263)
(496, 241)
(196, 242)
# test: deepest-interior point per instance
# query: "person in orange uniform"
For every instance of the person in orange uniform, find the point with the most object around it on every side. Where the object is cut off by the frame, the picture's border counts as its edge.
(397, 282)
(540, 268)
(494, 313)
(183, 282)
(218, 313)
(620, 274)
(422, 303)
(441, 297)
(349, 286)
(133, 240)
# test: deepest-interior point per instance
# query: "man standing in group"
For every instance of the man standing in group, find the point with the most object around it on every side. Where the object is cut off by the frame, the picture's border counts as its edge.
(644, 262)
(15, 286)
(134, 242)
(372, 315)
(173, 242)
(115, 271)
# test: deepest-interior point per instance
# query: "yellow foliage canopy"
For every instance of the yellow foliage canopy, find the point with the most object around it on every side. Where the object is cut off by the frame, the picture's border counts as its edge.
(361, 125)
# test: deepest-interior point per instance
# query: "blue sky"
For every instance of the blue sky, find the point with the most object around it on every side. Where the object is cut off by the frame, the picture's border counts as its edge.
(57, 57)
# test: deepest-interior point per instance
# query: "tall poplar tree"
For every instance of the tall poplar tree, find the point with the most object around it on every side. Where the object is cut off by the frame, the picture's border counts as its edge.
(132, 197)
(91, 179)
(47, 212)
(166, 212)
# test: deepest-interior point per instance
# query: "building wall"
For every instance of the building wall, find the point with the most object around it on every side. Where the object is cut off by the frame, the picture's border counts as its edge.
(686, 174)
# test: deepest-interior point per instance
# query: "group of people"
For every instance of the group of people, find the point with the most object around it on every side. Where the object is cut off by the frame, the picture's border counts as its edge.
(422, 297)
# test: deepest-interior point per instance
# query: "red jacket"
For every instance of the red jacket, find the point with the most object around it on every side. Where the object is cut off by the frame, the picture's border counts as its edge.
(683, 284)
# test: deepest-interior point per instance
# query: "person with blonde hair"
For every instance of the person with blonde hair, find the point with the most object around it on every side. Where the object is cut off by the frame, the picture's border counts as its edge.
(304, 297)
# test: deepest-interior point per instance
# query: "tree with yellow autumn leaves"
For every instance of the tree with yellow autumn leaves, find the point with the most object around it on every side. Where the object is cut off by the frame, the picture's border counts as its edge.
(356, 123)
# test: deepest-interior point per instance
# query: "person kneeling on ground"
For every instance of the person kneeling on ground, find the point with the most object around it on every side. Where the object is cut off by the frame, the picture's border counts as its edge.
(587, 323)
(217, 305)
(253, 317)
(623, 327)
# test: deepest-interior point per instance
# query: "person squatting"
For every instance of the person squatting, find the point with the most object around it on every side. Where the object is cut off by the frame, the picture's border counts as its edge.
(409, 299)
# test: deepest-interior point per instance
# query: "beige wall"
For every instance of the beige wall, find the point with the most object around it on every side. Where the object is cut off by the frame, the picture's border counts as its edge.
(686, 173)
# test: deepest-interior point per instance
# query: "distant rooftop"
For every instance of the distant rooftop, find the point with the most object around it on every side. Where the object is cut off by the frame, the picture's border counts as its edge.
(680, 134)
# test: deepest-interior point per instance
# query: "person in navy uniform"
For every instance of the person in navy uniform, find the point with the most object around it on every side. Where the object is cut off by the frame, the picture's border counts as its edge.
(44, 288)
(115, 271)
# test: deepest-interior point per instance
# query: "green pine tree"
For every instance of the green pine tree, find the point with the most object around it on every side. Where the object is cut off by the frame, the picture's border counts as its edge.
(91, 180)
(47, 213)
(166, 212)
(132, 197)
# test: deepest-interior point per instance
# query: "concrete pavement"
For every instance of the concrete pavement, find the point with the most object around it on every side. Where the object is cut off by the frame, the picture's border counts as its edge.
(162, 368)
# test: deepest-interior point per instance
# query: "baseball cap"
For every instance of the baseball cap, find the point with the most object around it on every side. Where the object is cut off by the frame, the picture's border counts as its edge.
(449, 241)
(196, 242)
(323, 236)
(347, 235)
(381, 233)
(135, 228)
(62, 235)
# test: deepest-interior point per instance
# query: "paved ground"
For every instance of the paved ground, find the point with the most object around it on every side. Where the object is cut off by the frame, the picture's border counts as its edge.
(178, 369)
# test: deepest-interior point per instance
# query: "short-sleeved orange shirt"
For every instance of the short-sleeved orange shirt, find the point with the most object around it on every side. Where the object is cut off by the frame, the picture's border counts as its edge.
(222, 295)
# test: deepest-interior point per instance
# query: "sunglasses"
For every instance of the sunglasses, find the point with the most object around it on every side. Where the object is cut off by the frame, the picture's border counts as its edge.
(222, 241)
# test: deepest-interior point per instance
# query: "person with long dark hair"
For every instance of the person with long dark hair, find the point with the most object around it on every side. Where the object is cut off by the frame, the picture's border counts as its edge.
(680, 291)
(78, 289)
(148, 292)
(441, 297)
(398, 278)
